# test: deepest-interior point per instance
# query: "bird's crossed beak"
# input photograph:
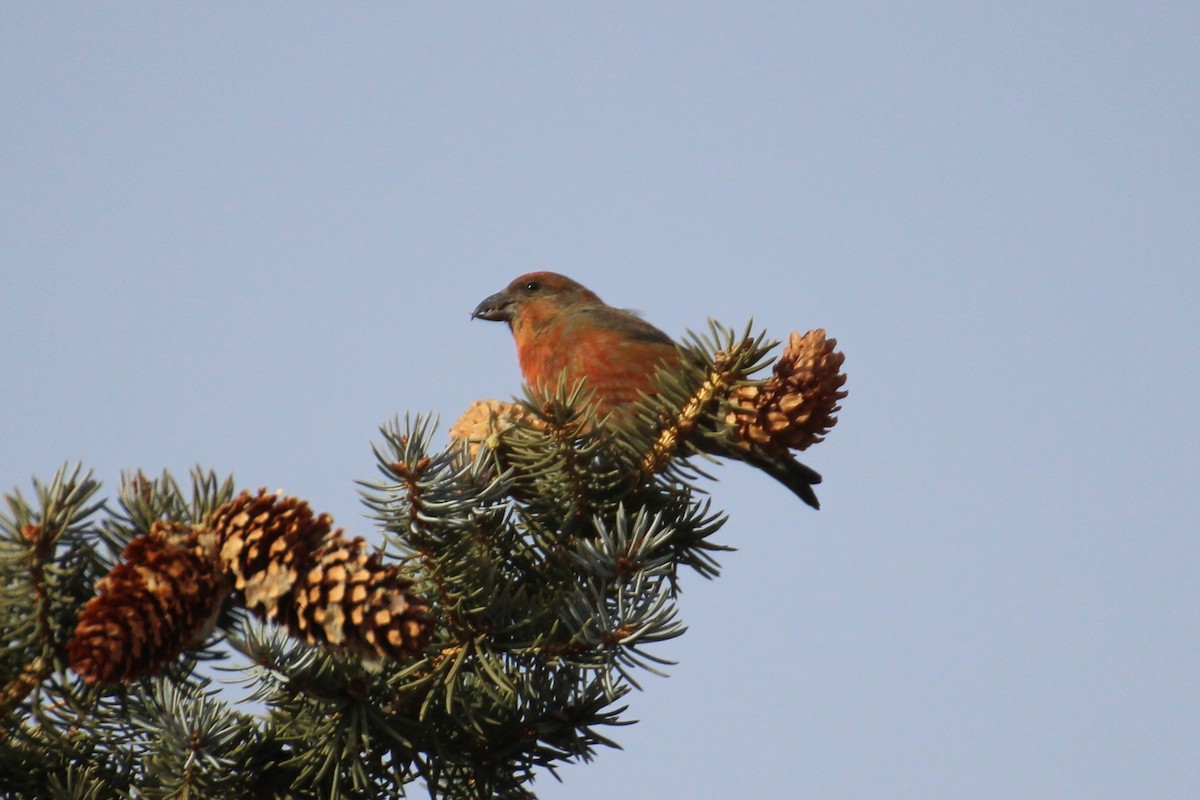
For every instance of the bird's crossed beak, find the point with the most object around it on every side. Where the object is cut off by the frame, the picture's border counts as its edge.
(497, 308)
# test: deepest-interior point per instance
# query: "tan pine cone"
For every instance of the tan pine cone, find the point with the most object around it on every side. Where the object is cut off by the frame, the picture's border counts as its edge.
(484, 423)
(795, 407)
(163, 598)
(292, 567)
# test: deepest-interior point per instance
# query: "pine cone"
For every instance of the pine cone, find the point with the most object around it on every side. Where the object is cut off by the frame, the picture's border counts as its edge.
(163, 598)
(795, 407)
(290, 566)
(484, 423)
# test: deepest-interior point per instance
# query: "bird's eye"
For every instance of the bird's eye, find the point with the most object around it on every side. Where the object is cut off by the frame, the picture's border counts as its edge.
(532, 286)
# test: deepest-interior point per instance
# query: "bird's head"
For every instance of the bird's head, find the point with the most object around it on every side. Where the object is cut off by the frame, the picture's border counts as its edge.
(534, 296)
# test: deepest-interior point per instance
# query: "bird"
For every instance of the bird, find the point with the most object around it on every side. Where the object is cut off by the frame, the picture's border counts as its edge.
(564, 331)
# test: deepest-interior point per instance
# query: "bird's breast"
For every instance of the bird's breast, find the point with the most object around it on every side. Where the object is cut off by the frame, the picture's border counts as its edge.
(613, 367)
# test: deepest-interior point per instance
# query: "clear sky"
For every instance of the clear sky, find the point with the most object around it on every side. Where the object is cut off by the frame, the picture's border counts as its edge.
(245, 236)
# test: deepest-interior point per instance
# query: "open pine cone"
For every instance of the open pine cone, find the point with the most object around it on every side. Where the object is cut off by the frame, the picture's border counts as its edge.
(163, 598)
(795, 407)
(485, 421)
(326, 589)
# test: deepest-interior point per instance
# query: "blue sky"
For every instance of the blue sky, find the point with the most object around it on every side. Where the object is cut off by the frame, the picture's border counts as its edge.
(247, 236)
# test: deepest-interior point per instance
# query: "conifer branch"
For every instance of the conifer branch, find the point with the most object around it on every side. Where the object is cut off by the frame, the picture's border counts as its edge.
(528, 578)
(717, 363)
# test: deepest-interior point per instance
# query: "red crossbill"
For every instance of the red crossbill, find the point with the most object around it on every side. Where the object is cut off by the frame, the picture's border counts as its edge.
(563, 330)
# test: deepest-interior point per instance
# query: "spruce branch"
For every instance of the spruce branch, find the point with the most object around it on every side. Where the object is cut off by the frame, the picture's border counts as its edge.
(526, 585)
(717, 364)
(47, 566)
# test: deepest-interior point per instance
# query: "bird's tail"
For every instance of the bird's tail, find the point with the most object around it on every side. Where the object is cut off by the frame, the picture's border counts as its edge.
(791, 473)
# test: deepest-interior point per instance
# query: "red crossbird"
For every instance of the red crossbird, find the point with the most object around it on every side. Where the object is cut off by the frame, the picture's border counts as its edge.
(563, 329)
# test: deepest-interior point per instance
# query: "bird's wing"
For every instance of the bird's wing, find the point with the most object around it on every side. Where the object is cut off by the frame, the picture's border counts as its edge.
(626, 322)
